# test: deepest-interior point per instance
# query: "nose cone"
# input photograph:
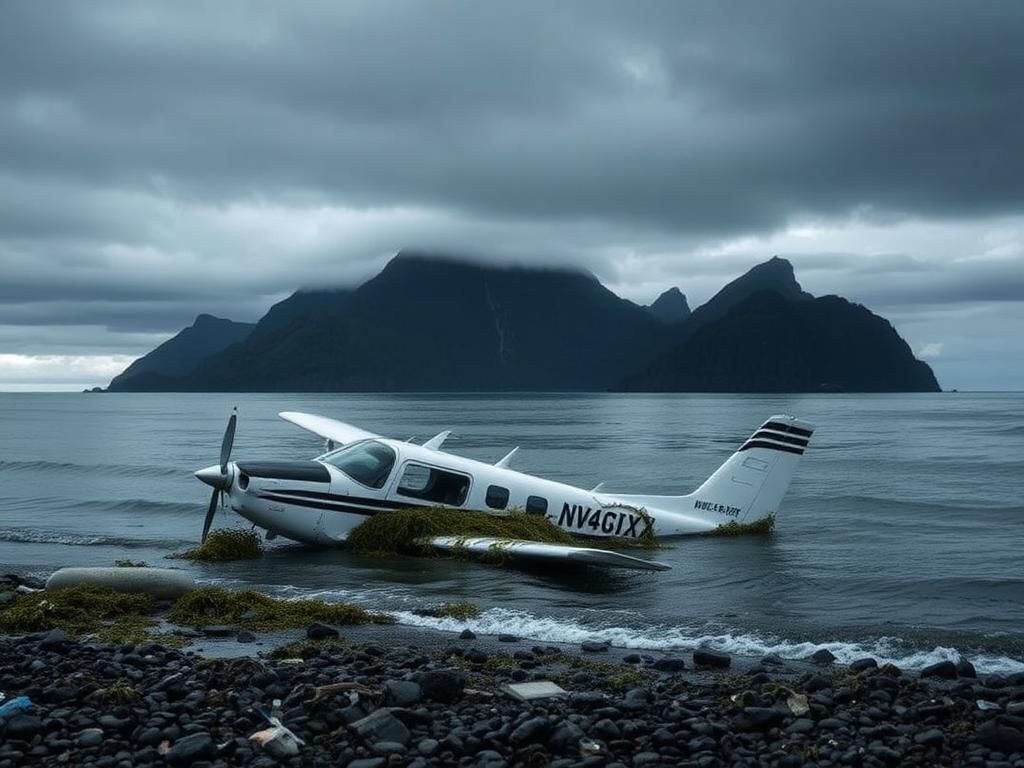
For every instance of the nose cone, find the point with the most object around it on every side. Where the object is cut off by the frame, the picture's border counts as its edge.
(212, 476)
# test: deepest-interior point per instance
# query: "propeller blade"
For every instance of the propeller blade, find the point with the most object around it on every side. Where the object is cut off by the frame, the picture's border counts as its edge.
(228, 442)
(210, 512)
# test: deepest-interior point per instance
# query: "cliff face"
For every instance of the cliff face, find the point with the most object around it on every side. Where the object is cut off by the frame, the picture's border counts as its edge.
(671, 307)
(768, 343)
(180, 355)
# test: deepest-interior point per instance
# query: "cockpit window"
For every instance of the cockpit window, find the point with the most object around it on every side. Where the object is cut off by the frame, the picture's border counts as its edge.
(368, 462)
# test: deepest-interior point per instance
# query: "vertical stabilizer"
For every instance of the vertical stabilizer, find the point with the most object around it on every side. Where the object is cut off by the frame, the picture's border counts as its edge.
(752, 482)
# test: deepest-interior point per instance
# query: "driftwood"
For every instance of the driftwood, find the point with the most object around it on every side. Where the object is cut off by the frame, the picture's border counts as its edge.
(321, 692)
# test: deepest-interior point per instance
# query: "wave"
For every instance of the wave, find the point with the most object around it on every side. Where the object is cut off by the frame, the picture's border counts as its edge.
(554, 630)
(49, 536)
(117, 470)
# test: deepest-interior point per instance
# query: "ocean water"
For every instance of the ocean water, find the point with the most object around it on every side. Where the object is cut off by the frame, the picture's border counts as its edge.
(902, 536)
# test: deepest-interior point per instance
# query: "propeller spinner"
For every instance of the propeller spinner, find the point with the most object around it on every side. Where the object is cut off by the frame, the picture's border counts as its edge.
(217, 476)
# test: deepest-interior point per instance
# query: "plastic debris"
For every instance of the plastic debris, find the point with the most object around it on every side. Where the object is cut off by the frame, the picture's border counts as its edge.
(985, 705)
(590, 747)
(542, 689)
(797, 703)
(17, 704)
(277, 741)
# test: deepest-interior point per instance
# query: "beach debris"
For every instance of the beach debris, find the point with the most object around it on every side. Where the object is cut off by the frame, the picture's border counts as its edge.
(160, 583)
(797, 703)
(985, 706)
(322, 692)
(589, 747)
(540, 689)
(278, 741)
(17, 704)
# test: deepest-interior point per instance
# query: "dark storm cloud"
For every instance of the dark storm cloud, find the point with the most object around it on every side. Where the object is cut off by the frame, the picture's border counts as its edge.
(157, 160)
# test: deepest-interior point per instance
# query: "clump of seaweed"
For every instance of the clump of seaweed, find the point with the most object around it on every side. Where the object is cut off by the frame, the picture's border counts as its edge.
(305, 649)
(402, 531)
(225, 544)
(461, 609)
(759, 527)
(120, 692)
(255, 610)
(112, 616)
(130, 564)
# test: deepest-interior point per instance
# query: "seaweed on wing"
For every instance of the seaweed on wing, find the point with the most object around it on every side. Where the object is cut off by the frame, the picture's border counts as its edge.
(405, 531)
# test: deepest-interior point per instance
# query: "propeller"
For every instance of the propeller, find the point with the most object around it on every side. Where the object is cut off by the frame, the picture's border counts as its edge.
(217, 476)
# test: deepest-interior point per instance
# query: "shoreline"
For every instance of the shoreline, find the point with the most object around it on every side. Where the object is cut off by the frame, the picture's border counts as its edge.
(418, 697)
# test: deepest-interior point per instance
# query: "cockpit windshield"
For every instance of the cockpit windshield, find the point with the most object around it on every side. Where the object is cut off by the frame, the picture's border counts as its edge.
(367, 462)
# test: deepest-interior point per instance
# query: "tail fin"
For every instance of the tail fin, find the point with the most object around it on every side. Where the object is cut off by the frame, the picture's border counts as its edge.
(750, 485)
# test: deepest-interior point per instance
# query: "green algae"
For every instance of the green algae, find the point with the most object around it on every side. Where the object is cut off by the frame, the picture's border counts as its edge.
(254, 610)
(404, 531)
(223, 545)
(460, 609)
(81, 610)
(306, 649)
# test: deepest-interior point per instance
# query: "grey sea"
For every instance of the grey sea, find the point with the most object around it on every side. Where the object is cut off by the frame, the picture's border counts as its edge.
(902, 536)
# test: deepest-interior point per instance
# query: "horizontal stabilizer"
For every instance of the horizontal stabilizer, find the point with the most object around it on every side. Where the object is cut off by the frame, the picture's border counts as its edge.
(506, 460)
(437, 440)
(329, 429)
(515, 549)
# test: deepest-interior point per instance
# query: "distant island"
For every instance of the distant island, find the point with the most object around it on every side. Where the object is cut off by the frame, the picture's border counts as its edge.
(434, 323)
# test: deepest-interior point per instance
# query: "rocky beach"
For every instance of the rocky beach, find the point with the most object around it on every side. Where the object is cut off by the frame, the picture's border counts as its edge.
(373, 696)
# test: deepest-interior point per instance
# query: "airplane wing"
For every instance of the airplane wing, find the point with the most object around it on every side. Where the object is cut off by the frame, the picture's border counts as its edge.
(533, 550)
(329, 429)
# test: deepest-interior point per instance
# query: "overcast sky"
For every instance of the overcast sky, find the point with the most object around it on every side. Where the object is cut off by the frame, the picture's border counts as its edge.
(161, 160)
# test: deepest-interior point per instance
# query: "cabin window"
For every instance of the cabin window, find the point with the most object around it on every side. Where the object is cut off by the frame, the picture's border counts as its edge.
(497, 497)
(368, 463)
(536, 505)
(431, 484)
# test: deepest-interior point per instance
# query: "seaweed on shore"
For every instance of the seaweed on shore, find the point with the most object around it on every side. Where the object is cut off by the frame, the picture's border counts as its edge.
(255, 610)
(81, 610)
(305, 649)
(224, 544)
(461, 609)
(403, 531)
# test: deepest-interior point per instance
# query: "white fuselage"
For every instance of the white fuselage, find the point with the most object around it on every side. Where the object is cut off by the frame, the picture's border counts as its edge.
(323, 510)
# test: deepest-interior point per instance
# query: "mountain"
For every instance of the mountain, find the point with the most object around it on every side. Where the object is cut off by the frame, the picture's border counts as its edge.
(670, 307)
(773, 275)
(179, 355)
(430, 324)
(773, 343)
(301, 304)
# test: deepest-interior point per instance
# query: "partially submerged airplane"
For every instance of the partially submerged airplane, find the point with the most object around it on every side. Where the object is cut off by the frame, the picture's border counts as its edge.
(320, 501)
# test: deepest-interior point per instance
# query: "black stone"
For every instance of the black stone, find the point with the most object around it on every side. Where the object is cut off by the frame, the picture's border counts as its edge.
(443, 685)
(943, 669)
(317, 631)
(189, 749)
(401, 693)
(467, 634)
(823, 656)
(704, 657)
(862, 664)
(381, 725)
(594, 646)
(672, 664)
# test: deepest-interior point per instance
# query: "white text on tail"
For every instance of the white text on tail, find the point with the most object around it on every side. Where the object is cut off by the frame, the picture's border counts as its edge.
(750, 485)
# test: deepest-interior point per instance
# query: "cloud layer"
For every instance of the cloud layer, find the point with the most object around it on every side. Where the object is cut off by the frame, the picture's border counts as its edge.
(161, 160)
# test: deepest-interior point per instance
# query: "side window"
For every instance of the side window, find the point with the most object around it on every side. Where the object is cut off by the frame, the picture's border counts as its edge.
(536, 505)
(497, 497)
(436, 485)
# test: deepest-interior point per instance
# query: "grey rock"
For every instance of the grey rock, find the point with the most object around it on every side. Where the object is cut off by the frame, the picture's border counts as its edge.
(55, 639)
(646, 758)
(190, 749)
(246, 637)
(862, 664)
(931, 738)
(943, 669)
(475, 656)
(1000, 737)
(772, 660)
(443, 685)
(823, 656)
(507, 639)
(631, 658)
(801, 725)
(533, 730)
(318, 631)
(670, 664)
(594, 646)
(401, 693)
(566, 738)
(90, 737)
(386, 748)
(22, 727)
(759, 718)
(381, 725)
(606, 729)
(467, 634)
(368, 762)
(964, 668)
(428, 747)
(704, 657)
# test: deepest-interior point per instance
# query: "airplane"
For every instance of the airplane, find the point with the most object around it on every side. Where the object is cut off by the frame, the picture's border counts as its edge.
(320, 501)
